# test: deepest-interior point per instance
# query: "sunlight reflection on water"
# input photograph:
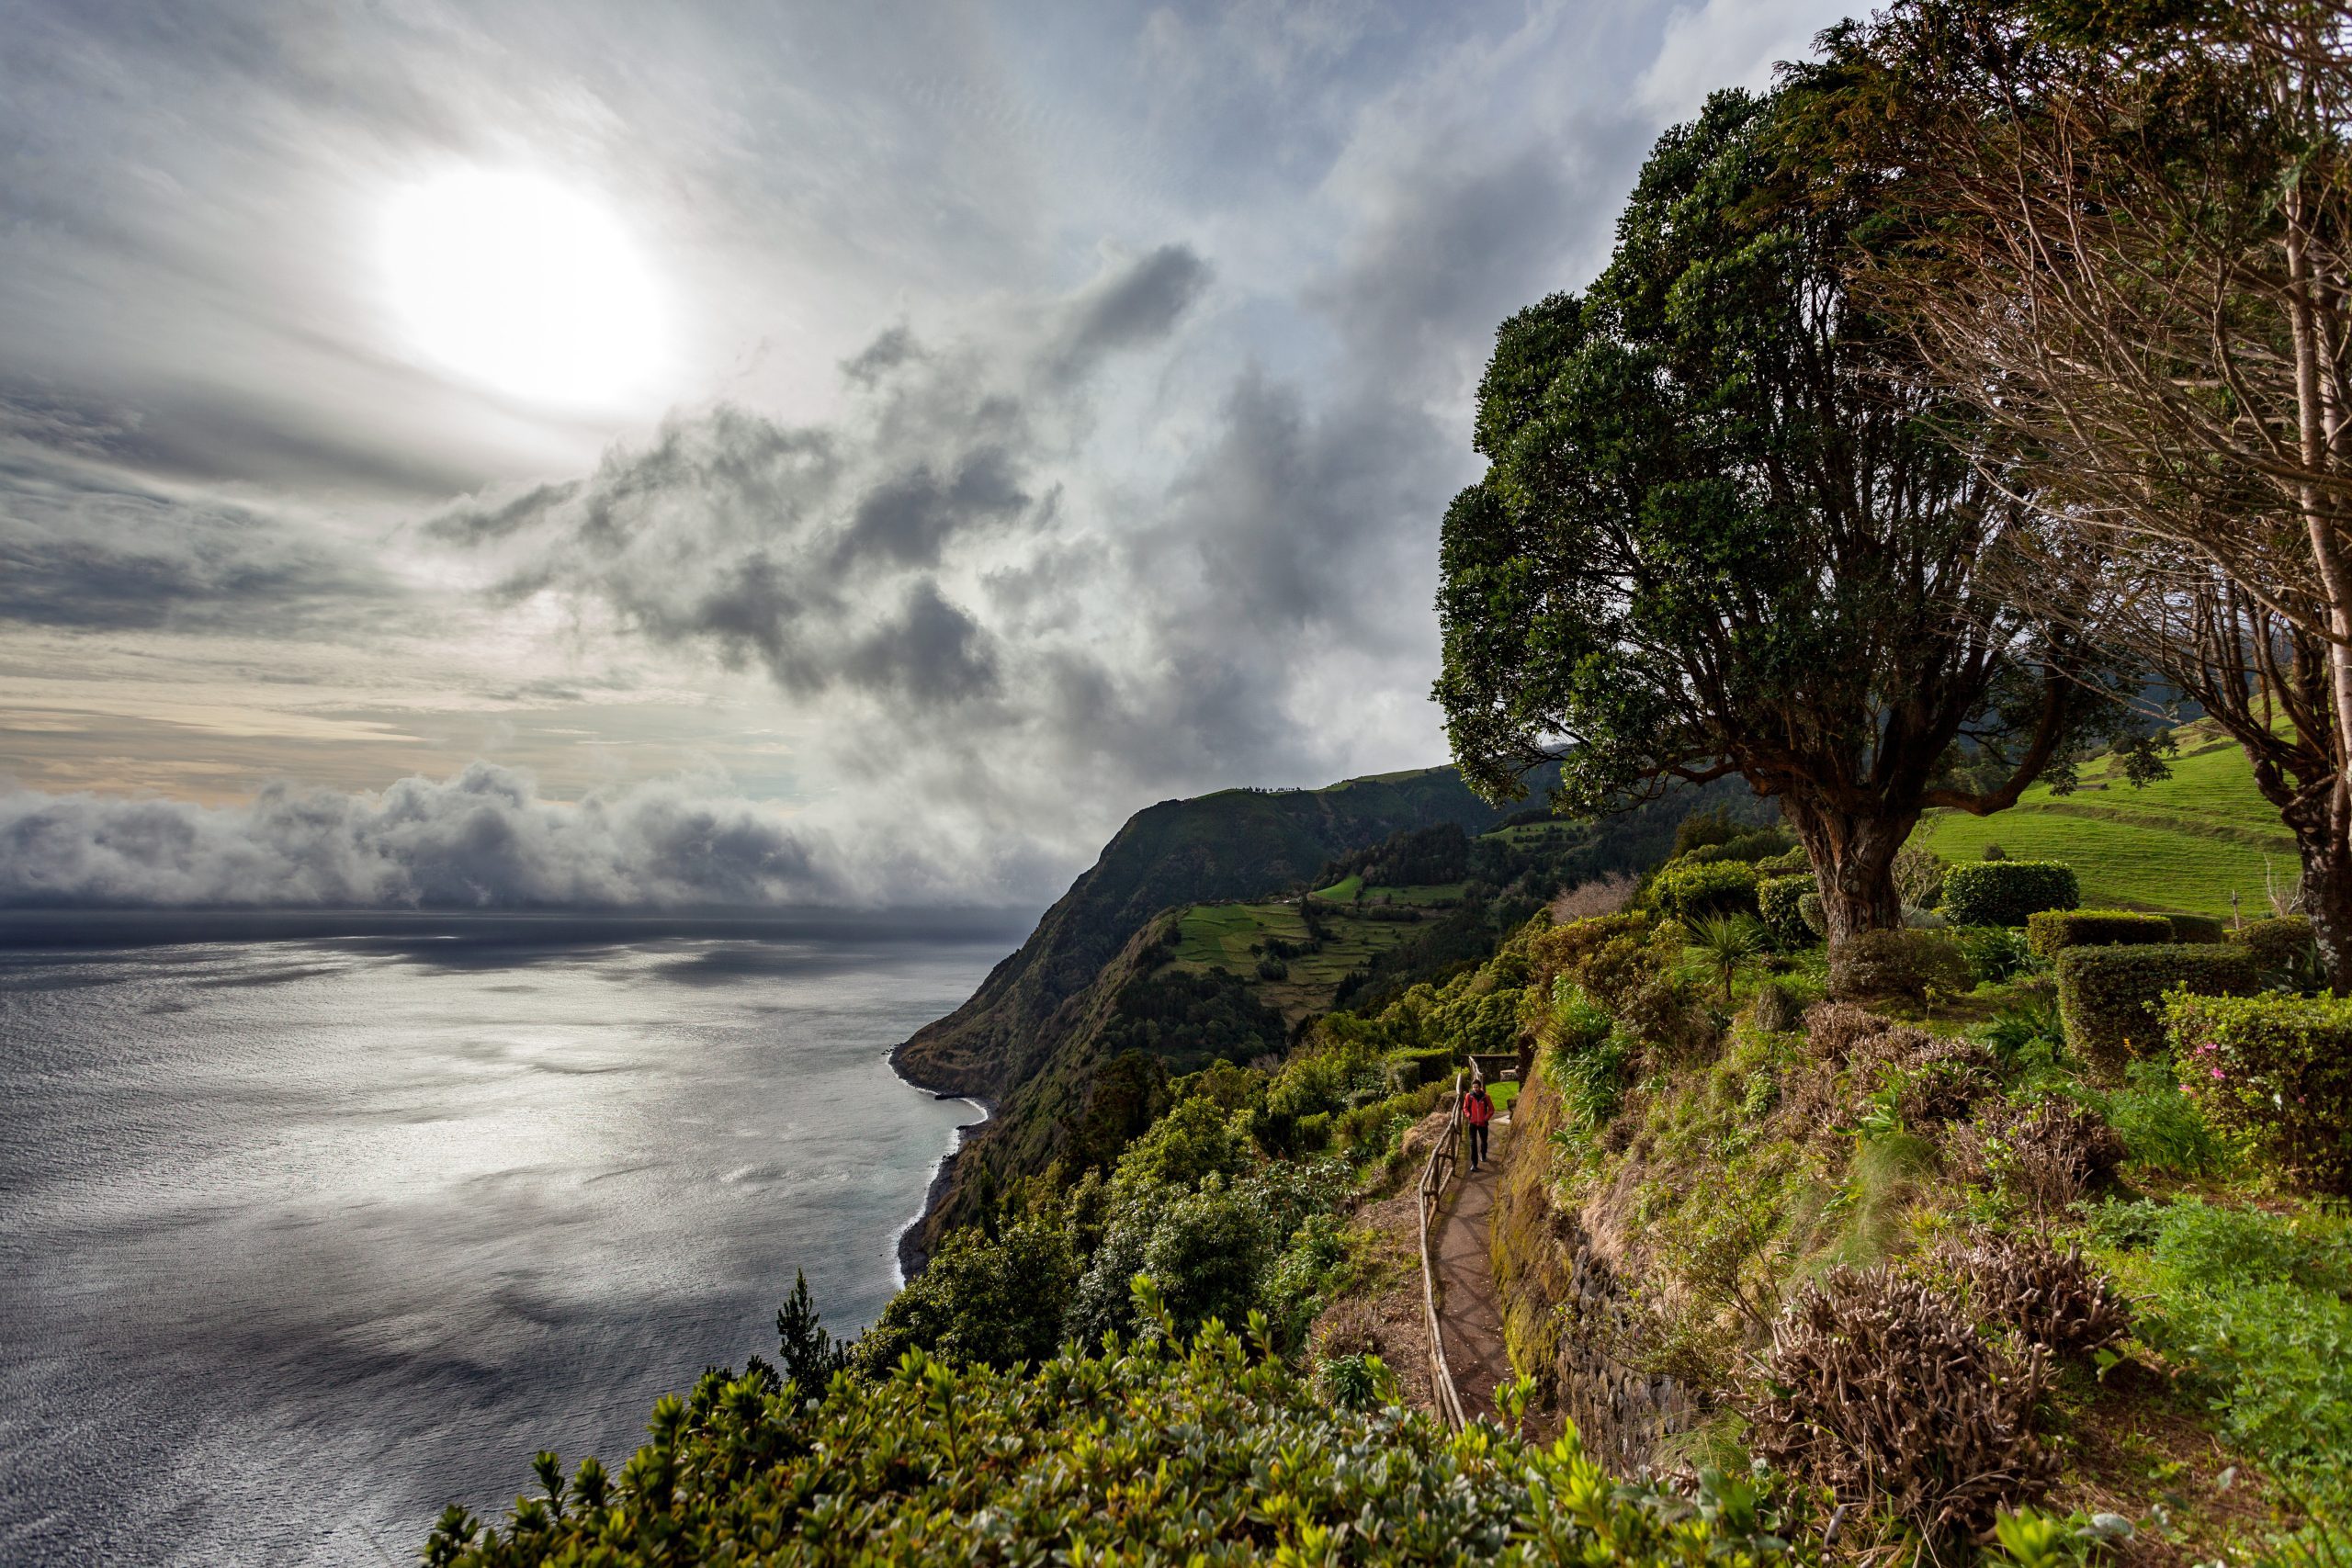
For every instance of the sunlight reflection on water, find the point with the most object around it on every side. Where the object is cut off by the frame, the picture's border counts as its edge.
(300, 1241)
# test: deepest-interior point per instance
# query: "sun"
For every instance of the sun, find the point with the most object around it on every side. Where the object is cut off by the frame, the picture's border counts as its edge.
(522, 284)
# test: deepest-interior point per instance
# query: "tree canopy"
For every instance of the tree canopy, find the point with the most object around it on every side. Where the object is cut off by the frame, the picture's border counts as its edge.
(1728, 527)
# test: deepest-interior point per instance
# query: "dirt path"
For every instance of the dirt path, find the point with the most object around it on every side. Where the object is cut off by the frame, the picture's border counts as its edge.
(1468, 1313)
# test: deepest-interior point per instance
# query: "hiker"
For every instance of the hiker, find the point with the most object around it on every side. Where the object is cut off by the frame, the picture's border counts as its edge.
(1476, 1111)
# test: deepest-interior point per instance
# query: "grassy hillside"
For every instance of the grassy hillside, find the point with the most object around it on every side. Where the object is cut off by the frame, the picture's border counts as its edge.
(1235, 937)
(2184, 844)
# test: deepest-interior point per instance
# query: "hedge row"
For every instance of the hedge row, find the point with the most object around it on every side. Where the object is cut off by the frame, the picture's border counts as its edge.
(1691, 890)
(2112, 999)
(2050, 932)
(2006, 892)
(2279, 1071)
(2279, 945)
(1779, 900)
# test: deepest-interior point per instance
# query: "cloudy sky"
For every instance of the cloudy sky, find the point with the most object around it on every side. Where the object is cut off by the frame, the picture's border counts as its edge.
(548, 451)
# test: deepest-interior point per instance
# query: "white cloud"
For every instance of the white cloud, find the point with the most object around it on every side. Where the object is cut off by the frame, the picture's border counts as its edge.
(1727, 43)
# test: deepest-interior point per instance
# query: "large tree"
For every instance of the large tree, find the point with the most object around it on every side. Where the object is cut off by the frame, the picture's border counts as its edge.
(2124, 233)
(1724, 530)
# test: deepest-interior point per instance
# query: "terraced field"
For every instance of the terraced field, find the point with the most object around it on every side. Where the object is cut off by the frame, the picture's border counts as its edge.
(2183, 844)
(1426, 896)
(1219, 936)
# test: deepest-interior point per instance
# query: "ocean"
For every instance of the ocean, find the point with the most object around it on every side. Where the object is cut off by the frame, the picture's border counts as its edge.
(303, 1238)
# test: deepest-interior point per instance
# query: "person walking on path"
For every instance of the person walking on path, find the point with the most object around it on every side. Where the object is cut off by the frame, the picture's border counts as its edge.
(1476, 1111)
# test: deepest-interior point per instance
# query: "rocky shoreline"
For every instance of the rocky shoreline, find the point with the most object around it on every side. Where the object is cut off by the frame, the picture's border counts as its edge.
(911, 1253)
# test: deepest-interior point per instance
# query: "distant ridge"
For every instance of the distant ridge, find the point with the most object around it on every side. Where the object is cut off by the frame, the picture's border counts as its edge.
(1233, 844)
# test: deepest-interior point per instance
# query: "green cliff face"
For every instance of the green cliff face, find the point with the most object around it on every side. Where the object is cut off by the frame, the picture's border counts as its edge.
(1032, 1036)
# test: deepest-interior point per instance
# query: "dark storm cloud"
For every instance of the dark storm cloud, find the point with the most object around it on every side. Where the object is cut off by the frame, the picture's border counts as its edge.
(83, 551)
(484, 840)
(1139, 306)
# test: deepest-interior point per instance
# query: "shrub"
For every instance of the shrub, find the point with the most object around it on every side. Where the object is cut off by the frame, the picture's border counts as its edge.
(1272, 968)
(1788, 860)
(2279, 1071)
(2160, 1125)
(2111, 996)
(2055, 1299)
(1779, 901)
(1175, 1452)
(1993, 953)
(1428, 1064)
(1880, 1388)
(2005, 892)
(2197, 927)
(1776, 1008)
(1897, 963)
(1690, 889)
(2051, 931)
(2255, 1309)
(2045, 1155)
(2281, 947)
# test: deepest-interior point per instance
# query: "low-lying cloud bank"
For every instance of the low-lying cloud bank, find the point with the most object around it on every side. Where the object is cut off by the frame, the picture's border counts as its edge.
(483, 840)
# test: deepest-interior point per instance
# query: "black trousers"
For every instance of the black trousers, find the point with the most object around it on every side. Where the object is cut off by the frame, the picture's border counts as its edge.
(1477, 1143)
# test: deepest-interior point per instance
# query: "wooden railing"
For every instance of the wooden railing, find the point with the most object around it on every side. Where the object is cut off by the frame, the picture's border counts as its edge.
(1434, 1176)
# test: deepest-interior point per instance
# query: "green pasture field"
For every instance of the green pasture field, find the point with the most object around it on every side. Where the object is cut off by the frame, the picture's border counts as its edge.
(1425, 894)
(1218, 936)
(2182, 844)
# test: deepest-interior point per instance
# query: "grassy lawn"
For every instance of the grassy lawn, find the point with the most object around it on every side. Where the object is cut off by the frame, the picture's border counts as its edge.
(2183, 844)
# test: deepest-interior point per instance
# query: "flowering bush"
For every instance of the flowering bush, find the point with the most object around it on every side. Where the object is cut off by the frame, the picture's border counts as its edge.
(2112, 997)
(2279, 1071)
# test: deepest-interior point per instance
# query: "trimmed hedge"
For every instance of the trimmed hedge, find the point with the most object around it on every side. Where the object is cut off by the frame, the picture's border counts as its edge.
(2279, 945)
(2277, 1069)
(1689, 890)
(1780, 903)
(2112, 997)
(2006, 892)
(2050, 932)
(1423, 1063)
(1786, 863)
(2199, 928)
(1897, 963)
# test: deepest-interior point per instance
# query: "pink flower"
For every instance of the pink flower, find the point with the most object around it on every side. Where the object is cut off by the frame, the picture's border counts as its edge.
(2218, 1073)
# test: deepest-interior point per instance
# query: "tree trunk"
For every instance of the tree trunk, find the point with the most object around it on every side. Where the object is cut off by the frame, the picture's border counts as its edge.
(2328, 899)
(1853, 856)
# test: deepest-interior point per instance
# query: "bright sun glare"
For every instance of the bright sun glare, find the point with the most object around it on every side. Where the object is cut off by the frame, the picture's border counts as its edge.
(522, 284)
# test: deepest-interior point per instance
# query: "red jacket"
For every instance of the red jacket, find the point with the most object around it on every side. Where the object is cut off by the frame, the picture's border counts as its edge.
(1477, 1109)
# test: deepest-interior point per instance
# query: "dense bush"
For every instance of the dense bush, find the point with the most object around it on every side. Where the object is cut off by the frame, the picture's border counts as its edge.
(1882, 1389)
(1993, 953)
(2045, 1155)
(1897, 963)
(1428, 1064)
(2055, 1299)
(1200, 1453)
(2051, 931)
(980, 1300)
(2161, 1126)
(2279, 1071)
(2111, 998)
(1779, 903)
(1690, 889)
(2197, 927)
(2282, 947)
(2006, 892)
(2255, 1310)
